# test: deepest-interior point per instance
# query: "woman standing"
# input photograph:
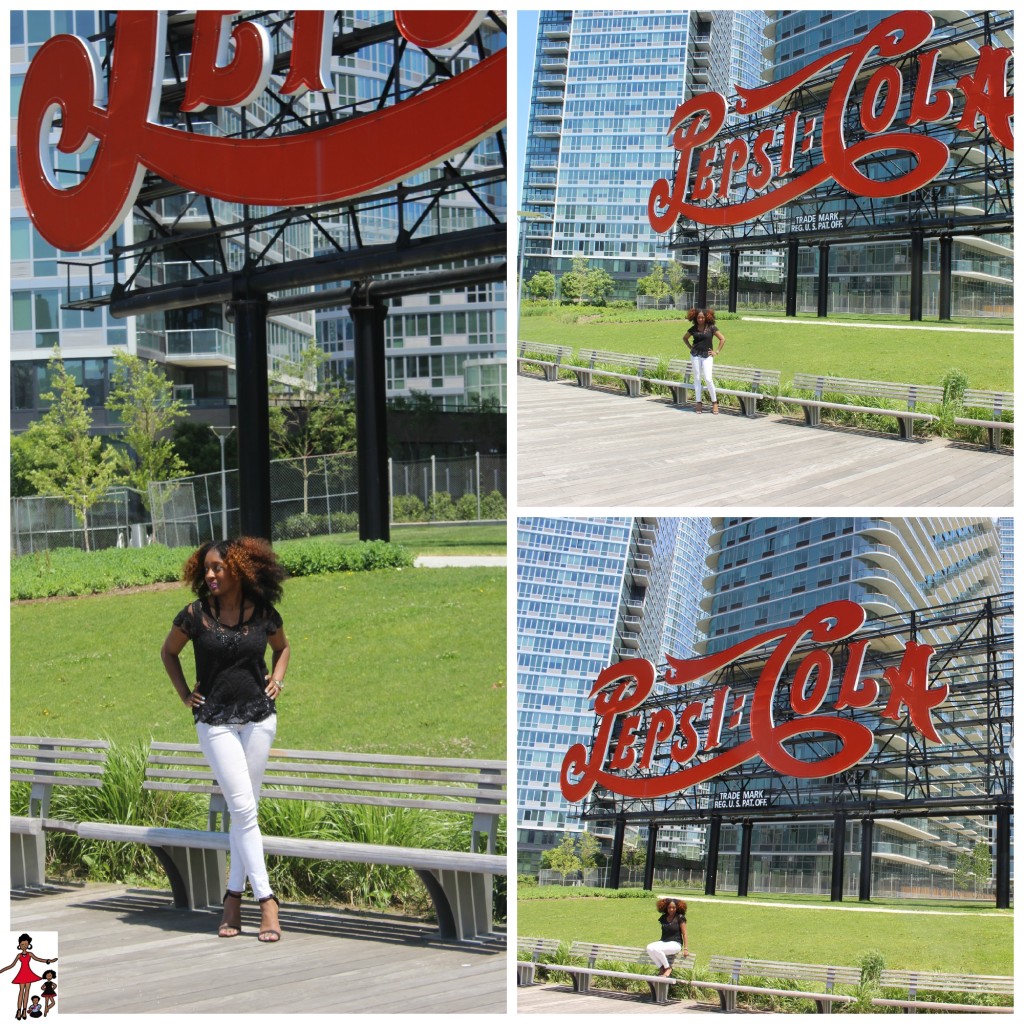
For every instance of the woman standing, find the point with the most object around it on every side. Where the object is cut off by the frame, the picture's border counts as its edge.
(25, 976)
(237, 583)
(673, 935)
(703, 332)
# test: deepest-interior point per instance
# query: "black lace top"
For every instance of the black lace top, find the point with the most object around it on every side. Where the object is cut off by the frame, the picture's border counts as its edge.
(230, 667)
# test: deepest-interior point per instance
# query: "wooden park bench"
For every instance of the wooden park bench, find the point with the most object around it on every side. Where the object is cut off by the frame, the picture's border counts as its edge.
(595, 953)
(757, 381)
(768, 971)
(993, 404)
(624, 368)
(917, 982)
(547, 358)
(44, 764)
(906, 394)
(459, 883)
(535, 948)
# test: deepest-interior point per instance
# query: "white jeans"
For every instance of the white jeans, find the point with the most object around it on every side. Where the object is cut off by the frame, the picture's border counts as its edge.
(659, 952)
(702, 367)
(238, 756)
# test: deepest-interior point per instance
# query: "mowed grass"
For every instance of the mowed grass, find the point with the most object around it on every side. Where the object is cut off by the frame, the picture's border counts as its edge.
(909, 355)
(394, 661)
(978, 943)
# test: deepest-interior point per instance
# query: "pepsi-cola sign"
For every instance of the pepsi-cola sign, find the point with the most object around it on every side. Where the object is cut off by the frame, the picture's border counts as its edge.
(339, 161)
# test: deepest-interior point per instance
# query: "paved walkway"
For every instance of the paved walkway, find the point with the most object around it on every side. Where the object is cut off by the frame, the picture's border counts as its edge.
(592, 449)
(125, 950)
(445, 561)
(874, 326)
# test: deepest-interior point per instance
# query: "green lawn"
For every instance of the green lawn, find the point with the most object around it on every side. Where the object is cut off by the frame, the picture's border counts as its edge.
(402, 661)
(976, 943)
(434, 539)
(908, 355)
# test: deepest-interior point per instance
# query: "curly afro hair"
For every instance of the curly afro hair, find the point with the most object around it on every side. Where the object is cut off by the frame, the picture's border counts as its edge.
(709, 315)
(251, 559)
(663, 905)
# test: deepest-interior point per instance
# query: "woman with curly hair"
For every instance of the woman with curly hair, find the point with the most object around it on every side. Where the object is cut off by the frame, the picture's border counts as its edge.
(233, 620)
(703, 332)
(673, 934)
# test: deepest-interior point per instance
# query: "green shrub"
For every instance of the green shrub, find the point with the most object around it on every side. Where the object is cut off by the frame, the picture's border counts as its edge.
(492, 506)
(407, 508)
(303, 524)
(466, 507)
(321, 554)
(441, 508)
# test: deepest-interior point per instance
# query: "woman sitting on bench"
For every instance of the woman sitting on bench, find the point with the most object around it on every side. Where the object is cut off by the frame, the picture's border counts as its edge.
(230, 626)
(673, 935)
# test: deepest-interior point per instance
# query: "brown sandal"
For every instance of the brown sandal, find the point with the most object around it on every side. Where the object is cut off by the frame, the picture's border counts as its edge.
(714, 408)
(227, 930)
(699, 407)
(269, 934)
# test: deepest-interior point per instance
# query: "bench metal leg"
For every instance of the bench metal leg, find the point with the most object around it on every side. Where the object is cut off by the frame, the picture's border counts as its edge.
(462, 901)
(28, 861)
(728, 1000)
(581, 983)
(659, 991)
(197, 877)
(749, 406)
(525, 973)
(812, 415)
(906, 428)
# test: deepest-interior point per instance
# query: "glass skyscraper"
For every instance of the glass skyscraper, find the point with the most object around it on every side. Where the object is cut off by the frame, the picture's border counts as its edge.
(605, 86)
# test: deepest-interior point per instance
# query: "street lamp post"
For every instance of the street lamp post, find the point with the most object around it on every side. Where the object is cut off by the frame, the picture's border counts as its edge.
(223, 433)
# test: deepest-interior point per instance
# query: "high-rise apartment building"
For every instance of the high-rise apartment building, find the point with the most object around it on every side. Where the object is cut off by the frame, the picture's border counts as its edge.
(590, 592)
(605, 86)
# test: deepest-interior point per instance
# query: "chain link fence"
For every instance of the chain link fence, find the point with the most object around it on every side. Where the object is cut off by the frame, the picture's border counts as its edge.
(319, 496)
(315, 496)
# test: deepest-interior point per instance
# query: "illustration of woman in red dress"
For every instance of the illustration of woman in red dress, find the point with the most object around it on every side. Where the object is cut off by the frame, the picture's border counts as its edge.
(25, 975)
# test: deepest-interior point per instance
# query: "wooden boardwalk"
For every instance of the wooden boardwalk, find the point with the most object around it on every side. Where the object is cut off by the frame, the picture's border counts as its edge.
(587, 449)
(125, 950)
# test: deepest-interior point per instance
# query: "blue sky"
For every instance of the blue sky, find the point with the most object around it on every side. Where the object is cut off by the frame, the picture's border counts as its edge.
(527, 36)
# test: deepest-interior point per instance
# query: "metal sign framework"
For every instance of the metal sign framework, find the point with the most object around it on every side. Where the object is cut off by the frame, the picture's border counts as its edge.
(904, 776)
(972, 196)
(246, 273)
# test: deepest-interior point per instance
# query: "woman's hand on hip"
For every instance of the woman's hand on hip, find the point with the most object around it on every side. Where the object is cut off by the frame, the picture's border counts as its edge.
(194, 700)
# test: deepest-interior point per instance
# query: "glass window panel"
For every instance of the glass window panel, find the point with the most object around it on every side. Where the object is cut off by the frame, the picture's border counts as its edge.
(21, 311)
(21, 245)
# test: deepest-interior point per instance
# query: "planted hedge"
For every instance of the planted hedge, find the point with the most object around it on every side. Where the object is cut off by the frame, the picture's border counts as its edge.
(69, 572)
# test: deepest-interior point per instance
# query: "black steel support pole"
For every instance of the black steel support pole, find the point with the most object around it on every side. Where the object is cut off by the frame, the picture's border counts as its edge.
(916, 275)
(823, 279)
(945, 278)
(746, 840)
(1003, 857)
(250, 313)
(702, 277)
(734, 278)
(838, 853)
(792, 260)
(618, 841)
(371, 417)
(867, 835)
(652, 845)
(711, 875)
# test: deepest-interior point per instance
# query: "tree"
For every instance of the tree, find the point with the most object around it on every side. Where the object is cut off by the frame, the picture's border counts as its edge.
(589, 848)
(143, 399)
(21, 466)
(309, 415)
(541, 285)
(654, 283)
(599, 284)
(563, 857)
(981, 864)
(67, 461)
(632, 858)
(676, 278)
(573, 283)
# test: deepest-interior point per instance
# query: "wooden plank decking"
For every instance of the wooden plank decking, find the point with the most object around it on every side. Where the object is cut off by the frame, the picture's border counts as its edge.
(590, 449)
(552, 998)
(125, 950)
